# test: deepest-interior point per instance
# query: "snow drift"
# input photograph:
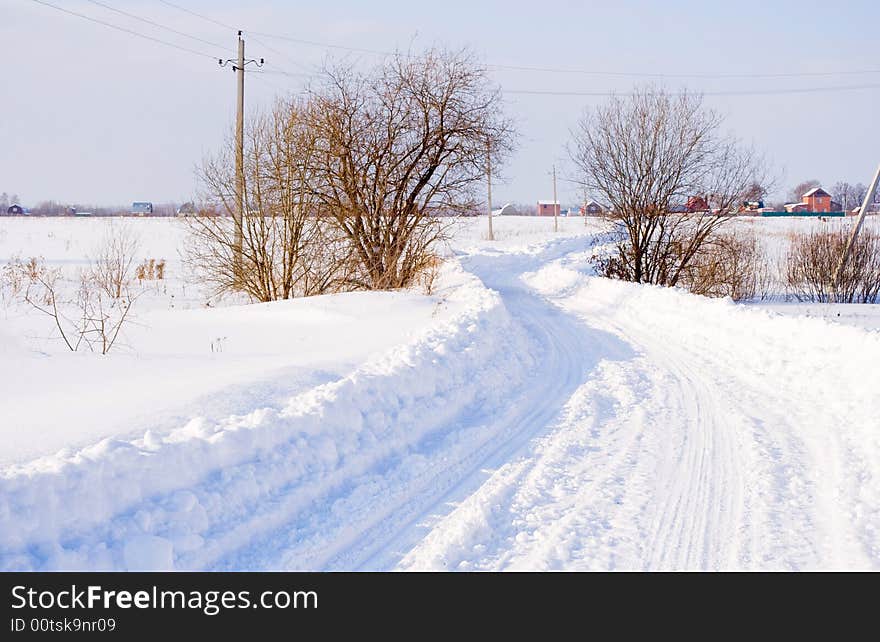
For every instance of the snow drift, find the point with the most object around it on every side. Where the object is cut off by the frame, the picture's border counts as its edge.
(183, 499)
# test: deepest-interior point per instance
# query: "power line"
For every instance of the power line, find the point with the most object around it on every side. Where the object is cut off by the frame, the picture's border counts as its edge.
(325, 45)
(705, 76)
(758, 92)
(124, 29)
(593, 72)
(198, 15)
(555, 70)
(280, 72)
(284, 89)
(278, 52)
(537, 92)
(155, 24)
(226, 26)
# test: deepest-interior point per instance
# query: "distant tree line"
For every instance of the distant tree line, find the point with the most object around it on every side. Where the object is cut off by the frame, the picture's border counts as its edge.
(54, 208)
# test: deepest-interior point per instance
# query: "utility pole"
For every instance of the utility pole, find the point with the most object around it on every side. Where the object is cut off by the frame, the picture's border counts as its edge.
(239, 159)
(869, 198)
(238, 65)
(555, 203)
(489, 187)
(585, 207)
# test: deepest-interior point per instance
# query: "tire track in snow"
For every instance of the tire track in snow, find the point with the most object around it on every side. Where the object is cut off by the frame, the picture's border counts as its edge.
(763, 500)
(714, 487)
(373, 520)
(750, 485)
(719, 469)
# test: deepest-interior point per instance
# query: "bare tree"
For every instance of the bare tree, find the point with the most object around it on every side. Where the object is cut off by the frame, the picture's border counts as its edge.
(848, 195)
(397, 146)
(17, 274)
(648, 155)
(286, 249)
(798, 191)
(89, 319)
(755, 192)
(113, 264)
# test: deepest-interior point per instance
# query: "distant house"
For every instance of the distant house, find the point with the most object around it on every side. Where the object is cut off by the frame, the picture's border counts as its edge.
(817, 200)
(141, 208)
(592, 208)
(15, 210)
(697, 204)
(548, 208)
(508, 209)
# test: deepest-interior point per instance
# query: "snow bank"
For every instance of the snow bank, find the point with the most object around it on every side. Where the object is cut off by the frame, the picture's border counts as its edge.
(185, 498)
(176, 364)
(776, 350)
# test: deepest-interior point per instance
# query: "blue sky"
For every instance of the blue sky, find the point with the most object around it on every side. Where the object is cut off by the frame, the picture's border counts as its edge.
(94, 115)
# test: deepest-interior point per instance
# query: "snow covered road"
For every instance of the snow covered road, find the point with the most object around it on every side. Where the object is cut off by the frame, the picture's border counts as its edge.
(360, 529)
(729, 439)
(556, 421)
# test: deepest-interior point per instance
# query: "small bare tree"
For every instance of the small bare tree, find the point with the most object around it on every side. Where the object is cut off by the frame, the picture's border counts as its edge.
(651, 156)
(17, 274)
(396, 147)
(113, 264)
(90, 318)
(286, 250)
(814, 256)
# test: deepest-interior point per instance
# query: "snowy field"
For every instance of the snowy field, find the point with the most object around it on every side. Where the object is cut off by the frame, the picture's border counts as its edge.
(525, 415)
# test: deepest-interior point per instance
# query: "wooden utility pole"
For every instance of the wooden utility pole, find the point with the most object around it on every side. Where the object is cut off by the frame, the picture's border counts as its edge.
(869, 199)
(555, 203)
(489, 188)
(585, 208)
(240, 209)
(239, 160)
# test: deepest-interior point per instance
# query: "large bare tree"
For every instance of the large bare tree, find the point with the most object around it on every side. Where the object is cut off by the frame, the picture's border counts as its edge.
(650, 155)
(286, 251)
(398, 147)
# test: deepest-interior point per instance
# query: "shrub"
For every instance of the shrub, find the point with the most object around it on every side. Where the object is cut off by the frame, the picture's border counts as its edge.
(112, 265)
(731, 265)
(150, 270)
(813, 258)
(89, 319)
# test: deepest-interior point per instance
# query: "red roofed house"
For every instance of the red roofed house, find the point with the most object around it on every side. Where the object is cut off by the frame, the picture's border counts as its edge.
(548, 208)
(817, 200)
(697, 204)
